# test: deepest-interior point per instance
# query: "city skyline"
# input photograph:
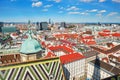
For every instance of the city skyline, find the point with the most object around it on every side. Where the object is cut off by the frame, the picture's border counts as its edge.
(60, 10)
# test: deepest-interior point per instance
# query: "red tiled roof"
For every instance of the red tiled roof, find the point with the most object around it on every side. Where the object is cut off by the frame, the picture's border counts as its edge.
(105, 59)
(104, 34)
(50, 54)
(71, 57)
(90, 42)
(110, 45)
(67, 42)
(116, 34)
(105, 30)
(43, 43)
(66, 35)
(62, 47)
(14, 34)
(87, 37)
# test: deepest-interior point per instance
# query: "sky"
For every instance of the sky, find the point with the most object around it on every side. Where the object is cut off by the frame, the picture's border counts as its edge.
(77, 11)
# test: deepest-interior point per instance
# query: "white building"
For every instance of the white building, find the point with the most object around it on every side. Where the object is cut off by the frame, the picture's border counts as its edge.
(98, 70)
(73, 66)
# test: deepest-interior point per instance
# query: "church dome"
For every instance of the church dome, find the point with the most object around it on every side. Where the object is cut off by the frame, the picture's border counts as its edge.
(30, 45)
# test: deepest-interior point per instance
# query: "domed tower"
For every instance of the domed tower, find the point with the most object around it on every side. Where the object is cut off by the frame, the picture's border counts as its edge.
(30, 48)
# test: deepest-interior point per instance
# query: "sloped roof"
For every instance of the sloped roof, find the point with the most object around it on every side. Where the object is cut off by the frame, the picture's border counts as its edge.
(50, 54)
(89, 54)
(67, 42)
(104, 34)
(116, 34)
(107, 67)
(89, 41)
(62, 48)
(114, 49)
(71, 58)
(87, 37)
(66, 35)
(106, 30)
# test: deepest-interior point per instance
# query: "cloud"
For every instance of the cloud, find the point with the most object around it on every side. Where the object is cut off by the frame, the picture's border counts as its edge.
(99, 14)
(60, 12)
(45, 10)
(61, 7)
(93, 10)
(73, 12)
(112, 13)
(84, 13)
(57, 1)
(102, 0)
(35, 0)
(47, 6)
(86, 0)
(36, 4)
(72, 8)
(76, 12)
(118, 1)
(102, 11)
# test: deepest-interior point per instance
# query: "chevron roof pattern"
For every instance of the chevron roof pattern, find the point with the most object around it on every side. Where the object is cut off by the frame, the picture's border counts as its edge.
(42, 70)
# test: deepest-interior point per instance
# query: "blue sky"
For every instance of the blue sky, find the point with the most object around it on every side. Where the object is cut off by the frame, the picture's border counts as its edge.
(60, 10)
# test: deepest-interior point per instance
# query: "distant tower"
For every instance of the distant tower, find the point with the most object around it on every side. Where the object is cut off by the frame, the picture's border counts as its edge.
(29, 22)
(43, 26)
(37, 26)
(99, 23)
(1, 25)
(49, 21)
(63, 24)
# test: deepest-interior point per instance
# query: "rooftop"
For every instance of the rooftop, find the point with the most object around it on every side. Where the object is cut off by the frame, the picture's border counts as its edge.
(71, 58)
(112, 50)
(30, 45)
(90, 53)
(63, 48)
(106, 66)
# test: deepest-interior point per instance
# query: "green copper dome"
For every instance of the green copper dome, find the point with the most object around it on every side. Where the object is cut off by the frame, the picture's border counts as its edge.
(30, 45)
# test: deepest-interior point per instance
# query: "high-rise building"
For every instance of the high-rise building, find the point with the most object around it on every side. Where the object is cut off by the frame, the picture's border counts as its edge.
(37, 26)
(63, 24)
(1, 25)
(43, 26)
(8, 29)
(49, 21)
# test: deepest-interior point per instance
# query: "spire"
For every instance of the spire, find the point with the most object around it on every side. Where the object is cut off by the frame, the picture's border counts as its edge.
(29, 30)
(29, 34)
(30, 45)
(29, 24)
(49, 21)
